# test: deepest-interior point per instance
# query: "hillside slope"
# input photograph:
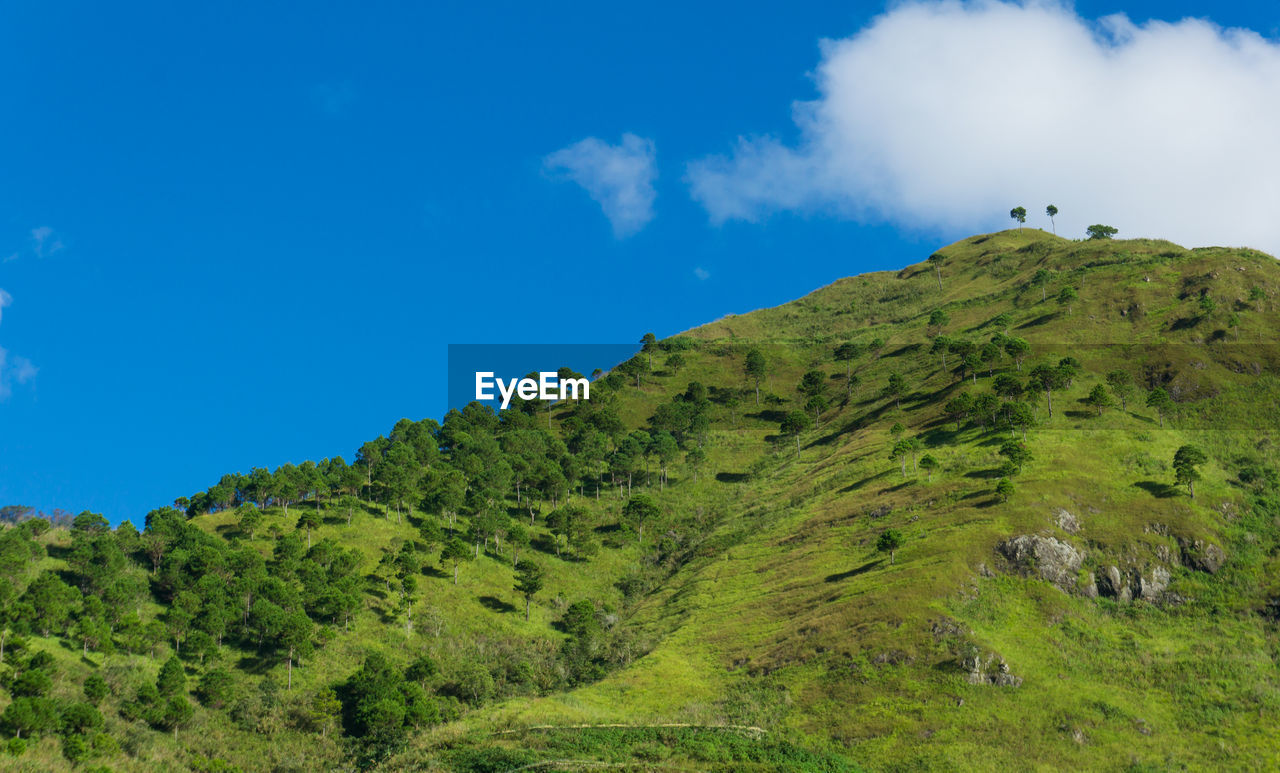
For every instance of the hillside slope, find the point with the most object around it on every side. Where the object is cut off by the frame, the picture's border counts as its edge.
(791, 620)
(1058, 598)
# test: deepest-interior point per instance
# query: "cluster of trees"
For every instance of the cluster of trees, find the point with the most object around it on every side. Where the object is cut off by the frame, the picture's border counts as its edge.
(1096, 231)
(467, 484)
(33, 712)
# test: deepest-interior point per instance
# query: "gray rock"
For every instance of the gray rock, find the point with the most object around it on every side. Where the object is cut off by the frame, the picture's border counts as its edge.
(1113, 585)
(1132, 584)
(1049, 558)
(992, 671)
(1066, 521)
(1152, 589)
(1090, 588)
(1202, 554)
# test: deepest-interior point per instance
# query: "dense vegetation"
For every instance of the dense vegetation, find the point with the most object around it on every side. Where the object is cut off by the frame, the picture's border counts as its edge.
(1018, 501)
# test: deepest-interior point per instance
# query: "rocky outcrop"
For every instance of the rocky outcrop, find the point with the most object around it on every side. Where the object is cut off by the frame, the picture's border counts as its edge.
(991, 670)
(1132, 584)
(1202, 555)
(1066, 521)
(1048, 558)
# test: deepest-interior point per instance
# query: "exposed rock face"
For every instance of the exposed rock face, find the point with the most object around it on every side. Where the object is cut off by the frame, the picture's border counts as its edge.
(1201, 554)
(1049, 558)
(992, 670)
(1112, 585)
(1132, 584)
(1152, 589)
(1066, 521)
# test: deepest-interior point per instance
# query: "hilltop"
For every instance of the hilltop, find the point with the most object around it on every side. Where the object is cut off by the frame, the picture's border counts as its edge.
(705, 537)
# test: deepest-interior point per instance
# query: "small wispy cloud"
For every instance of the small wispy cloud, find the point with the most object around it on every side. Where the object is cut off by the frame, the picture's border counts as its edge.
(333, 98)
(618, 177)
(15, 370)
(702, 273)
(45, 241)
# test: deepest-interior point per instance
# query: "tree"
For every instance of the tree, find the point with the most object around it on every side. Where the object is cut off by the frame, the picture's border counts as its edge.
(633, 367)
(639, 509)
(456, 551)
(31, 716)
(928, 464)
(895, 387)
(1007, 386)
(216, 688)
(295, 635)
(675, 362)
(1159, 400)
(1121, 384)
(1185, 461)
(1004, 489)
(889, 542)
(1098, 398)
(649, 342)
(250, 517)
(793, 424)
(936, 260)
(695, 458)
(812, 383)
(755, 368)
(1041, 280)
(422, 670)
(1017, 454)
(172, 679)
(901, 449)
(309, 519)
(848, 352)
(1019, 416)
(517, 540)
(941, 345)
(1067, 296)
(1019, 214)
(1047, 378)
(1098, 231)
(95, 688)
(349, 503)
(817, 404)
(959, 407)
(938, 320)
(177, 712)
(1051, 211)
(528, 582)
(1002, 321)
(80, 718)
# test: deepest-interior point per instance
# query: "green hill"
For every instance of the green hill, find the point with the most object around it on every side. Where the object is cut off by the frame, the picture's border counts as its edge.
(713, 593)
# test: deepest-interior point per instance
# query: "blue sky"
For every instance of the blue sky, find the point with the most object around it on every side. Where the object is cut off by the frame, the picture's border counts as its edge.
(236, 235)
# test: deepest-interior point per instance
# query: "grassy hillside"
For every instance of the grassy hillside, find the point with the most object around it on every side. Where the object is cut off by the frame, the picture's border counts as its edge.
(1088, 614)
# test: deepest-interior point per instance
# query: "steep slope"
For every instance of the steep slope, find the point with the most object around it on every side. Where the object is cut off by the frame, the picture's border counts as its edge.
(788, 618)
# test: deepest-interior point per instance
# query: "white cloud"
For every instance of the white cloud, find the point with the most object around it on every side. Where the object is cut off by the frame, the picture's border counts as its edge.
(618, 177)
(45, 241)
(944, 115)
(19, 370)
(702, 273)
